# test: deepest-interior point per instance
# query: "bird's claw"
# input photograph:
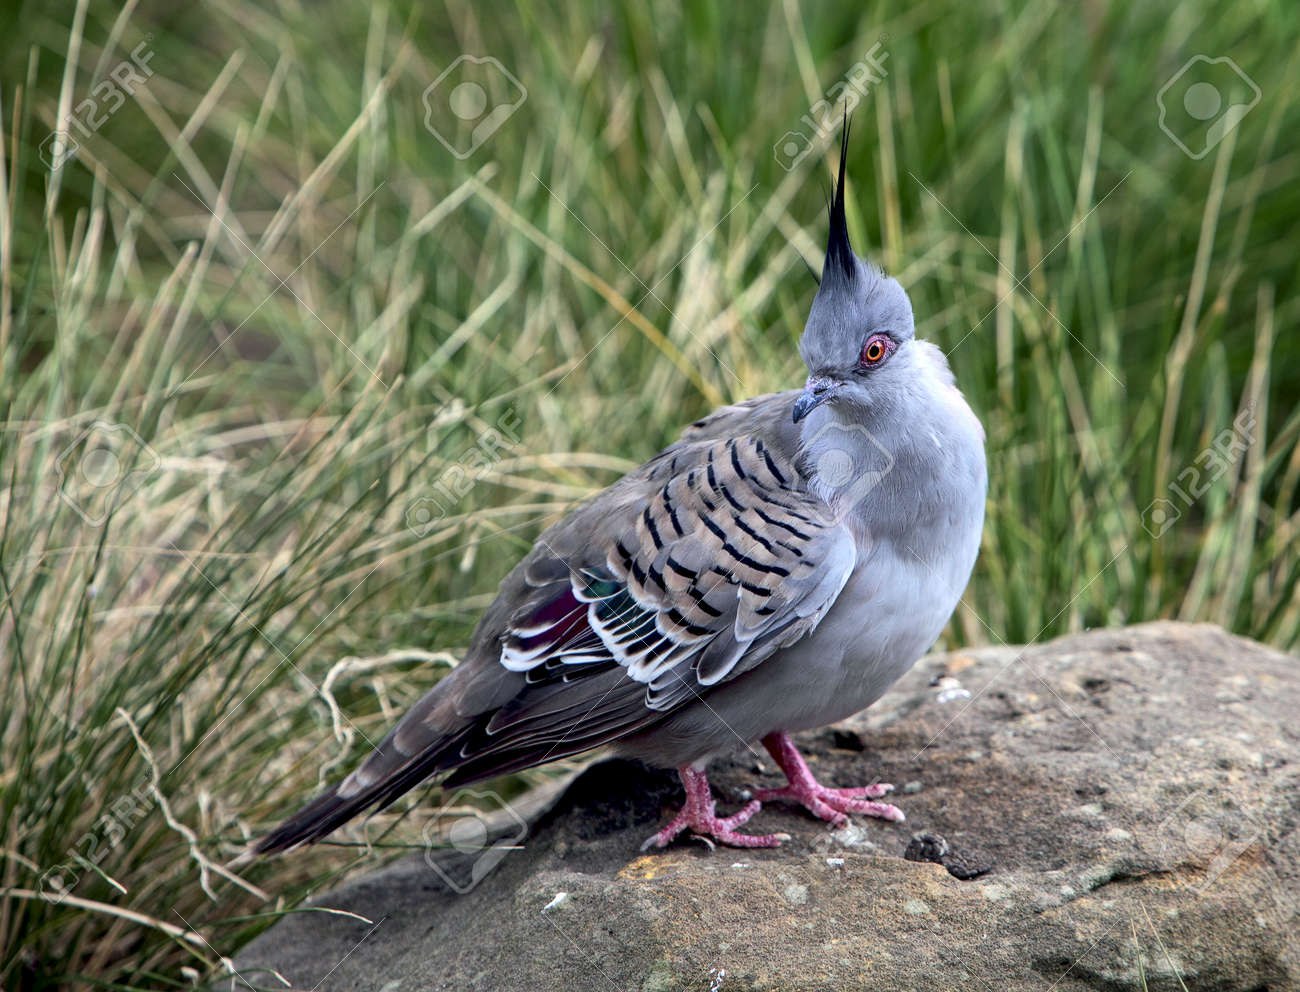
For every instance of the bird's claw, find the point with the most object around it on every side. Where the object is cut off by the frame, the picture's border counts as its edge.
(825, 803)
(833, 805)
(705, 825)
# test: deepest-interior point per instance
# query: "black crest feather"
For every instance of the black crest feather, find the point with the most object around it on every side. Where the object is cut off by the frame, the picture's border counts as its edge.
(839, 252)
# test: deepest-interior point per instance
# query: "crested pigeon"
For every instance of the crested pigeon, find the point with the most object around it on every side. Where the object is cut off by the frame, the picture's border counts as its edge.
(774, 570)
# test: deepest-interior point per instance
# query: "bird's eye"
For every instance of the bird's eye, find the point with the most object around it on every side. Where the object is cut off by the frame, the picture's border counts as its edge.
(875, 351)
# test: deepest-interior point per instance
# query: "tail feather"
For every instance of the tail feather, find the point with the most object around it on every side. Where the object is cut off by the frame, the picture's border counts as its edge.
(318, 818)
(329, 811)
(474, 750)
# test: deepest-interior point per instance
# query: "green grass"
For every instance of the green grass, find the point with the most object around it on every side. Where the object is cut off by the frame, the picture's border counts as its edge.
(255, 606)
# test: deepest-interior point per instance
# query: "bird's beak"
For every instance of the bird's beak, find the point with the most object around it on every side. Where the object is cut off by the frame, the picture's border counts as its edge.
(816, 391)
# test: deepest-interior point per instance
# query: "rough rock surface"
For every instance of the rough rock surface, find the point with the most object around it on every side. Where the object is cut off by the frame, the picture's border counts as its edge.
(1133, 795)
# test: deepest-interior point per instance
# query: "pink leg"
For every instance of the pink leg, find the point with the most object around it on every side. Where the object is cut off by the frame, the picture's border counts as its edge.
(820, 800)
(699, 817)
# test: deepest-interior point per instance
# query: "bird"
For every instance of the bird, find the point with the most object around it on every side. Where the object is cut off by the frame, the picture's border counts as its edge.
(774, 570)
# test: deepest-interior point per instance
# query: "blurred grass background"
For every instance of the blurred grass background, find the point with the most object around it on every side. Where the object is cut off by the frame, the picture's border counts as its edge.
(266, 594)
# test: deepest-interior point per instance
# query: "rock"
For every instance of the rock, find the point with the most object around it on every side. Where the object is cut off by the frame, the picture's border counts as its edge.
(1127, 801)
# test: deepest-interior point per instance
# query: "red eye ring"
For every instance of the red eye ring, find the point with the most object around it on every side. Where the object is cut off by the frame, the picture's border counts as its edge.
(875, 351)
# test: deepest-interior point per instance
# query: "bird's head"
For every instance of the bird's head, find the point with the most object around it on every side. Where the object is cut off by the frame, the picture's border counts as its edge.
(857, 342)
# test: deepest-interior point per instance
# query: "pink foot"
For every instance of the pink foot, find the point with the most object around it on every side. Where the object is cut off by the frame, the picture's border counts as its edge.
(820, 800)
(699, 817)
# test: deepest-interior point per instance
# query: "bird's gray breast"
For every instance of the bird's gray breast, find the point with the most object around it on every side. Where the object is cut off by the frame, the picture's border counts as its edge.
(890, 612)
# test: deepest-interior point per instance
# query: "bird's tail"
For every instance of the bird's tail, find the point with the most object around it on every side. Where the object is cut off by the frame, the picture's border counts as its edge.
(331, 809)
(385, 776)
(435, 740)
(311, 823)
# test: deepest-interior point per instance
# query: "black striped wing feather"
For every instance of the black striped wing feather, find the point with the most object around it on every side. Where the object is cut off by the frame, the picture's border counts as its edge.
(724, 559)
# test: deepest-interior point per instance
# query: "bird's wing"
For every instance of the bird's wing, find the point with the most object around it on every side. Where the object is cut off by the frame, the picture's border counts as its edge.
(692, 569)
(725, 557)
